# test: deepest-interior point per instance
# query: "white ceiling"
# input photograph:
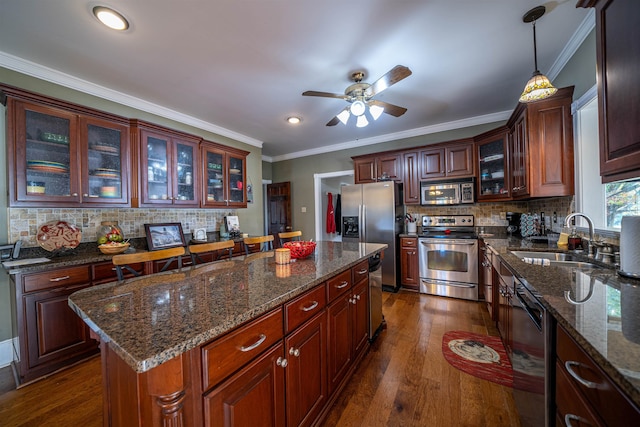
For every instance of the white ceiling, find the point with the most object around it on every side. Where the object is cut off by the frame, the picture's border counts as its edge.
(239, 67)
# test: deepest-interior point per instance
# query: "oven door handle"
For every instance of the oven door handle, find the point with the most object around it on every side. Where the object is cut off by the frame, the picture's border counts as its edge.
(454, 284)
(447, 242)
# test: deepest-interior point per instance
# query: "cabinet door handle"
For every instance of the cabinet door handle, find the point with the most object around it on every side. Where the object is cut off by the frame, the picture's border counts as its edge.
(570, 417)
(85, 195)
(353, 301)
(569, 364)
(59, 279)
(362, 271)
(282, 362)
(358, 297)
(255, 344)
(294, 352)
(311, 307)
(74, 194)
(342, 285)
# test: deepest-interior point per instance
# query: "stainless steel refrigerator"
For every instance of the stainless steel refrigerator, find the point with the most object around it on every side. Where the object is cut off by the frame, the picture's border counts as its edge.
(373, 213)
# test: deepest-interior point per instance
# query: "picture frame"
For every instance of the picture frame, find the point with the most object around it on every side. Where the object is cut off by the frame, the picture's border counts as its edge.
(232, 223)
(164, 235)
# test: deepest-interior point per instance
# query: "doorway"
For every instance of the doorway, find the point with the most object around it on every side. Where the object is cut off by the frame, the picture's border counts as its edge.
(325, 183)
(278, 209)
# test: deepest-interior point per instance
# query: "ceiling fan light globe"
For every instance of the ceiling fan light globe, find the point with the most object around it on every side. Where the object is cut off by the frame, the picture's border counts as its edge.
(538, 87)
(358, 108)
(343, 116)
(362, 122)
(376, 111)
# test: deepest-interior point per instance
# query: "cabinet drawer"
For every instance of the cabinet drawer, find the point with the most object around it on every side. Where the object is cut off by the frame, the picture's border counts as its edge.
(55, 278)
(226, 355)
(360, 271)
(409, 242)
(338, 285)
(608, 401)
(569, 403)
(106, 272)
(304, 307)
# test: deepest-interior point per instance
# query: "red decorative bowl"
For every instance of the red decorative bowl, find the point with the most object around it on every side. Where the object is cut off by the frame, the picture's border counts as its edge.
(300, 249)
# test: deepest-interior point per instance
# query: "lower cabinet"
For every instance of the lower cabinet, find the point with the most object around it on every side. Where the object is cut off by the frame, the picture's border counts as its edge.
(505, 296)
(409, 269)
(254, 396)
(584, 394)
(306, 372)
(50, 335)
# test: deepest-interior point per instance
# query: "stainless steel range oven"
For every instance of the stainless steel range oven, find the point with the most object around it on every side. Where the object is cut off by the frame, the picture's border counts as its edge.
(448, 256)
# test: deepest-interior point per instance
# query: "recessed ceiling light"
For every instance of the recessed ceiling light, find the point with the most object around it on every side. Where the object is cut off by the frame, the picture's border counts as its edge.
(111, 18)
(293, 120)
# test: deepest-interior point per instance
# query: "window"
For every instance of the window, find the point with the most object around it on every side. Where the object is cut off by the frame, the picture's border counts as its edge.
(622, 198)
(605, 204)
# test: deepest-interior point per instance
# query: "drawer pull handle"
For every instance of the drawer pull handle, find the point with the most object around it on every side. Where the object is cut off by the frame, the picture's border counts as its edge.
(255, 344)
(570, 417)
(282, 362)
(363, 271)
(311, 307)
(294, 352)
(569, 364)
(342, 285)
(59, 279)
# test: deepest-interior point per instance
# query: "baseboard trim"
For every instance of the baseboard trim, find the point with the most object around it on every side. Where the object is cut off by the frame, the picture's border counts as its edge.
(6, 352)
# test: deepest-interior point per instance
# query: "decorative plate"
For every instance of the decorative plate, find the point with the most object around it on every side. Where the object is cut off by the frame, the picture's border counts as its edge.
(56, 235)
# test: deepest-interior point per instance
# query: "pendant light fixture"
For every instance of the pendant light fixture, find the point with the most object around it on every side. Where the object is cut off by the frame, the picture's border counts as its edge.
(539, 86)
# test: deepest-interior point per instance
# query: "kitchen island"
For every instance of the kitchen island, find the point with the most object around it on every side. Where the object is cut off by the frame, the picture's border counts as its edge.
(185, 347)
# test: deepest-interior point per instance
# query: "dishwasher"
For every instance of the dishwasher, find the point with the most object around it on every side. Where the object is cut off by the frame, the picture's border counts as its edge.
(529, 357)
(376, 319)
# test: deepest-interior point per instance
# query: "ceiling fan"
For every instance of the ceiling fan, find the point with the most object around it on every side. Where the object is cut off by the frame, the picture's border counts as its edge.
(359, 95)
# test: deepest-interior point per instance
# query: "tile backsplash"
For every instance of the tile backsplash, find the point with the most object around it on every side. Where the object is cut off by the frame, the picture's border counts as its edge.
(24, 222)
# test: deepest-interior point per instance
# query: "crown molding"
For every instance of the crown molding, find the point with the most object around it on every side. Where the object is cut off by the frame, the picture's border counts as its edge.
(32, 69)
(426, 130)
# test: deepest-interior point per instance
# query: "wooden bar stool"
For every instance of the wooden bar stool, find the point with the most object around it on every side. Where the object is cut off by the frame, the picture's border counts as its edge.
(216, 247)
(265, 242)
(289, 236)
(122, 261)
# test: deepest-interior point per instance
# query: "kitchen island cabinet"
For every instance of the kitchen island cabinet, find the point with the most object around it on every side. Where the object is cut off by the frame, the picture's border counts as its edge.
(159, 332)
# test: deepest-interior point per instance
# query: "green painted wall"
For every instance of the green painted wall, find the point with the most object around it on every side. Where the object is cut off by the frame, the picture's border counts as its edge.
(580, 71)
(300, 171)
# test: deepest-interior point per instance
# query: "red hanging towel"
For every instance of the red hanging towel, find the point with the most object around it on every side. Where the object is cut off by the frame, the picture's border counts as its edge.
(331, 220)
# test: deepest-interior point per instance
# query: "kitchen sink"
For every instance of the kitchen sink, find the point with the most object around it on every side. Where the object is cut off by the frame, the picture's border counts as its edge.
(553, 256)
(574, 264)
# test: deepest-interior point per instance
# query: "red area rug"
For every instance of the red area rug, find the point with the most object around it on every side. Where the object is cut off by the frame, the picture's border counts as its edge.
(479, 355)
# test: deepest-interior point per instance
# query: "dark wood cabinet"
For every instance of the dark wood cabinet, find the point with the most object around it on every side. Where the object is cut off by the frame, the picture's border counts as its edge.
(360, 318)
(486, 279)
(168, 171)
(618, 67)
(255, 396)
(451, 160)
(505, 283)
(584, 390)
(409, 268)
(493, 166)
(224, 176)
(61, 154)
(411, 178)
(378, 167)
(541, 150)
(306, 372)
(50, 335)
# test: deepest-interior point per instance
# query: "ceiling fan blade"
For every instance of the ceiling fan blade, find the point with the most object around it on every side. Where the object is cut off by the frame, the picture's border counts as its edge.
(333, 121)
(336, 119)
(392, 77)
(323, 94)
(392, 109)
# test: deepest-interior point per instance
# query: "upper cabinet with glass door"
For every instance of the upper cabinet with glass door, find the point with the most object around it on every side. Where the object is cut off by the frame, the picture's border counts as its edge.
(53, 155)
(493, 168)
(169, 167)
(224, 175)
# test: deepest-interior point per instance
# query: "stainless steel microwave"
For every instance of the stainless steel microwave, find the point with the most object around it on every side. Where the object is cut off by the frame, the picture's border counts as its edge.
(453, 193)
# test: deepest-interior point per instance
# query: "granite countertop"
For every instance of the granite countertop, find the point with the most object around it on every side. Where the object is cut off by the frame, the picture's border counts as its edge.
(604, 317)
(151, 319)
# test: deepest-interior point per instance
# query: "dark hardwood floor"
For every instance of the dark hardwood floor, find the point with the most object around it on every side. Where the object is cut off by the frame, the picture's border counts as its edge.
(403, 381)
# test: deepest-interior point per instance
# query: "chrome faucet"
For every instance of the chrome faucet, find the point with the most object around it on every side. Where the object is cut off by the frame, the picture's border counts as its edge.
(590, 245)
